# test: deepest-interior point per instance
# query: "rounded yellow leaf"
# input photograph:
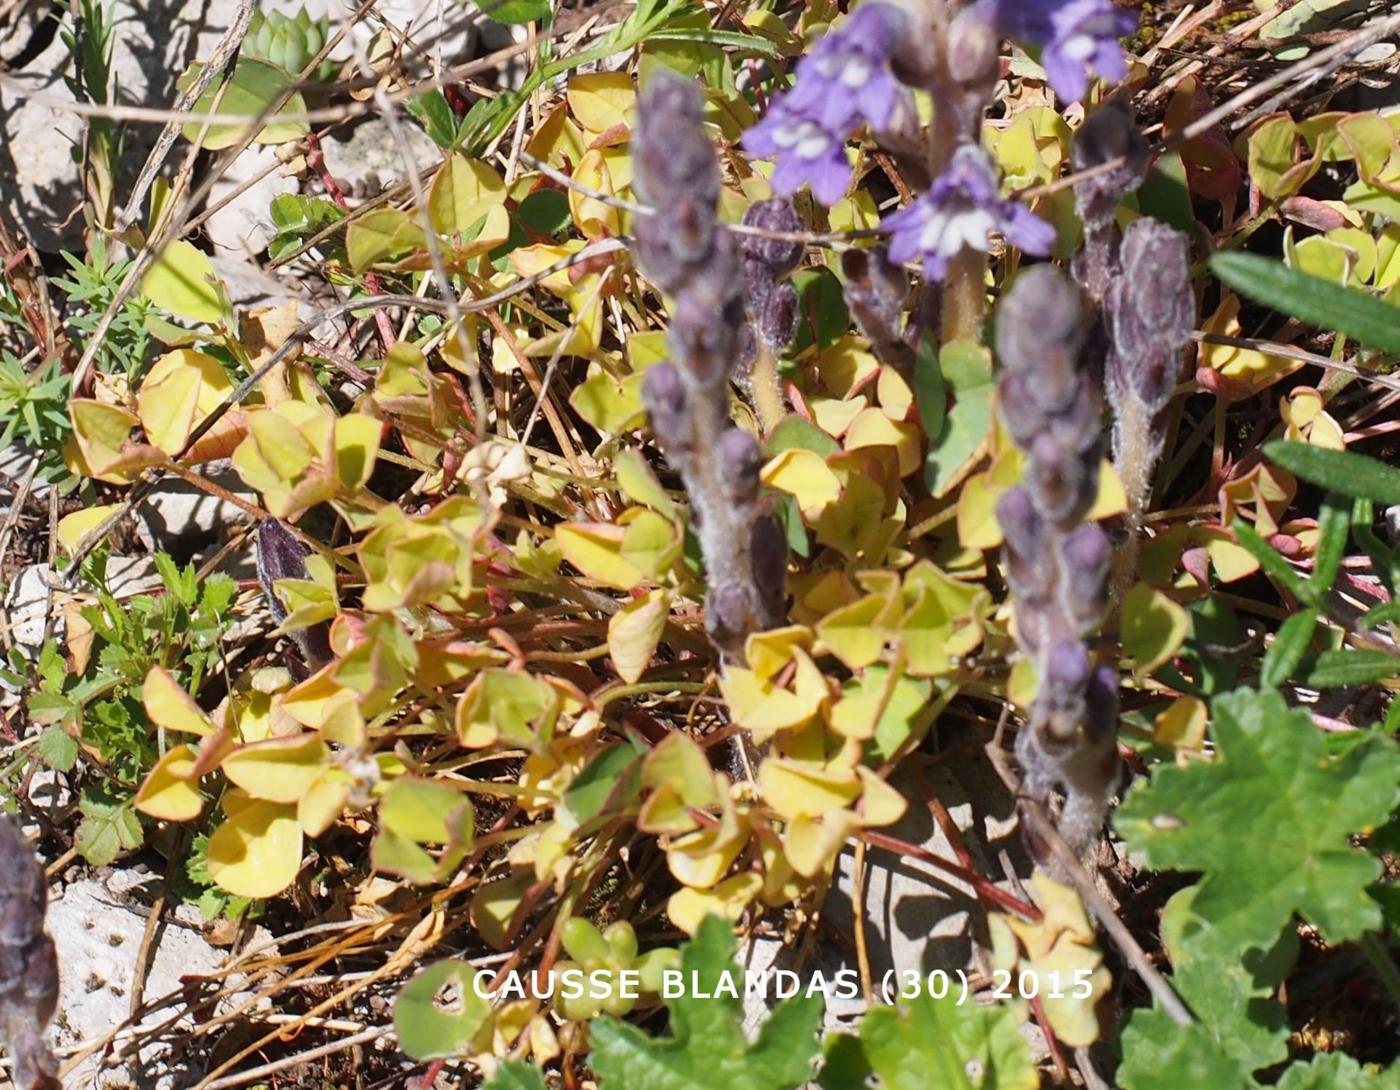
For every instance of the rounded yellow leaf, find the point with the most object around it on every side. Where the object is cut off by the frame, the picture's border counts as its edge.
(279, 769)
(169, 706)
(635, 630)
(595, 548)
(324, 801)
(356, 448)
(798, 789)
(182, 388)
(467, 205)
(699, 859)
(1111, 499)
(804, 475)
(872, 428)
(601, 101)
(811, 845)
(688, 907)
(1182, 724)
(880, 804)
(73, 528)
(762, 707)
(171, 789)
(256, 852)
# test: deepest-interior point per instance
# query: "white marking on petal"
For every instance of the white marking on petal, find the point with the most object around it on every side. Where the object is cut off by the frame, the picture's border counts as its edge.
(857, 72)
(1080, 47)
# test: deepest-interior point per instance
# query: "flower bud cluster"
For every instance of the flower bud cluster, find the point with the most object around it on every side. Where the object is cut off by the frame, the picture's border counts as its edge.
(875, 292)
(28, 963)
(769, 298)
(1112, 154)
(1057, 564)
(690, 257)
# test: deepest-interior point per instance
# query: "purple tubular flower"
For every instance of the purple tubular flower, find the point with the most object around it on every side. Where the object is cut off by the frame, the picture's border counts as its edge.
(807, 154)
(1077, 37)
(963, 208)
(843, 83)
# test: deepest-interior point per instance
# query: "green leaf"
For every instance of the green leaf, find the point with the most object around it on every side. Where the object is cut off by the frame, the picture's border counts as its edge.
(1338, 471)
(795, 433)
(707, 1049)
(546, 212)
(1329, 306)
(1349, 666)
(515, 11)
(439, 1014)
(252, 89)
(613, 776)
(966, 370)
(822, 317)
(1153, 627)
(1268, 823)
(433, 109)
(930, 394)
(1273, 564)
(1289, 646)
(109, 828)
(745, 43)
(57, 748)
(181, 280)
(516, 1075)
(1385, 613)
(1337, 1071)
(1240, 1026)
(942, 1044)
(1333, 523)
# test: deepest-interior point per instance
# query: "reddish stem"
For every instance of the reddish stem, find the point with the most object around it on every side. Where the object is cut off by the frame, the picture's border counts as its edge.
(982, 886)
(316, 160)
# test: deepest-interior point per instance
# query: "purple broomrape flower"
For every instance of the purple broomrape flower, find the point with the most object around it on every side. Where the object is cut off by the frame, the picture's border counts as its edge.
(1077, 37)
(843, 83)
(962, 209)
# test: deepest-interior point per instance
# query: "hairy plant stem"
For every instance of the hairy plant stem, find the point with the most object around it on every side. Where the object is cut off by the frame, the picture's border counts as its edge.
(964, 296)
(766, 389)
(1134, 459)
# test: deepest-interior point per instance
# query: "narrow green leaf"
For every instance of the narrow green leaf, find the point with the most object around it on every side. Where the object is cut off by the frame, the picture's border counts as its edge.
(1288, 649)
(1338, 471)
(515, 11)
(1385, 613)
(1333, 522)
(747, 43)
(1274, 565)
(1318, 302)
(516, 1075)
(1356, 666)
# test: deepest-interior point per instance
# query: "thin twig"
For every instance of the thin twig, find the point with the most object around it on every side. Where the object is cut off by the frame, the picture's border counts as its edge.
(1044, 829)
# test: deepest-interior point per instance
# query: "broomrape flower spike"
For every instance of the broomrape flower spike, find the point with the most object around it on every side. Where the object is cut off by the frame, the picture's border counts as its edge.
(1149, 311)
(687, 396)
(843, 83)
(962, 209)
(28, 963)
(1076, 37)
(1057, 564)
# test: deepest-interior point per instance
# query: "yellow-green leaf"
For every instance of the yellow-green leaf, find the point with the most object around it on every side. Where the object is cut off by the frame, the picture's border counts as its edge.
(256, 852)
(634, 631)
(1153, 627)
(182, 281)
